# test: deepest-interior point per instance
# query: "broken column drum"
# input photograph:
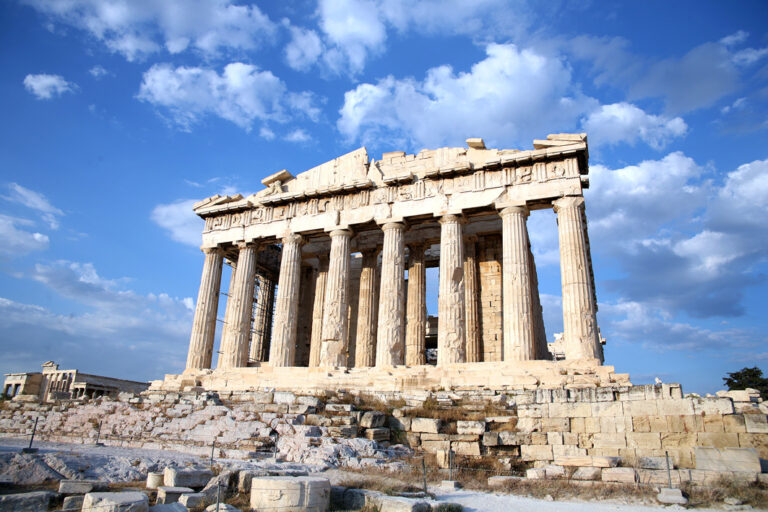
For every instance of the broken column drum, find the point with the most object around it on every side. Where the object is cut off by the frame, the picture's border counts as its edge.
(463, 210)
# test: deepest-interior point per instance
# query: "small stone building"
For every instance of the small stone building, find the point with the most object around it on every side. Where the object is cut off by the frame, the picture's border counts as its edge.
(55, 384)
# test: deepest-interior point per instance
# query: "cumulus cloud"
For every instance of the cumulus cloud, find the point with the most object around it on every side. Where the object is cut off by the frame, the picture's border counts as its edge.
(17, 239)
(98, 72)
(298, 135)
(46, 87)
(511, 95)
(241, 94)
(137, 28)
(624, 122)
(179, 221)
(35, 201)
(109, 330)
(304, 48)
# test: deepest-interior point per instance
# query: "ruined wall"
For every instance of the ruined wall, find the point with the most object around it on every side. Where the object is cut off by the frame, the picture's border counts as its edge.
(489, 251)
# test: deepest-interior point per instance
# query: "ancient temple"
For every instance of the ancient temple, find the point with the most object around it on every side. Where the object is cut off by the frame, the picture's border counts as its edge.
(328, 273)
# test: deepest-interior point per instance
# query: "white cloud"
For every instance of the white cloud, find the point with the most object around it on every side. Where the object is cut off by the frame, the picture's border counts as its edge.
(298, 135)
(98, 72)
(241, 93)
(510, 96)
(180, 221)
(137, 28)
(624, 122)
(749, 56)
(710, 251)
(45, 86)
(17, 241)
(737, 37)
(35, 201)
(304, 49)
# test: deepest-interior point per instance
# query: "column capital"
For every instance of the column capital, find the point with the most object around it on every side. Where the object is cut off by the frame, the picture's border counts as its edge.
(245, 245)
(340, 231)
(453, 218)
(212, 250)
(293, 238)
(567, 202)
(514, 210)
(393, 224)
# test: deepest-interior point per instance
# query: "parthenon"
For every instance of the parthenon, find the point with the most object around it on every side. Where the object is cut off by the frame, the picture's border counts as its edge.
(319, 263)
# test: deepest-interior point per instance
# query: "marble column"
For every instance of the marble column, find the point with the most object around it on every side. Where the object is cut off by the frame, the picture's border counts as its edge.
(416, 317)
(539, 332)
(471, 301)
(517, 307)
(204, 325)
(283, 346)
(237, 318)
(317, 311)
(580, 333)
(367, 311)
(390, 334)
(450, 303)
(333, 350)
(262, 320)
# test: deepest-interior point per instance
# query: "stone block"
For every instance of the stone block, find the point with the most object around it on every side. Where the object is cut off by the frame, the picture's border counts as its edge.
(26, 501)
(553, 471)
(559, 450)
(491, 439)
(621, 475)
(570, 410)
(680, 407)
(734, 423)
(284, 397)
(607, 409)
(717, 440)
(192, 500)
(670, 496)
(466, 448)
(377, 434)
(435, 446)
(535, 474)
(678, 440)
(403, 424)
(607, 440)
(756, 423)
(348, 431)
(470, 427)
(641, 424)
(538, 438)
(653, 463)
(712, 406)
(757, 441)
(129, 501)
(155, 479)
(641, 408)
(713, 423)
(290, 494)
(72, 504)
(186, 477)
(536, 452)
(587, 473)
(727, 459)
(428, 425)
(555, 424)
(222, 507)
(587, 461)
(312, 401)
(373, 419)
(81, 486)
(167, 494)
(339, 407)
(644, 441)
(514, 438)
(554, 438)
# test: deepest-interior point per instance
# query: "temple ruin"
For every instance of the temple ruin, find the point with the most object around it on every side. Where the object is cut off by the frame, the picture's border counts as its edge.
(319, 297)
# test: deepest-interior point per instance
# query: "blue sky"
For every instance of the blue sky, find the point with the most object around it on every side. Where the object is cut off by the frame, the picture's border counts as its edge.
(118, 114)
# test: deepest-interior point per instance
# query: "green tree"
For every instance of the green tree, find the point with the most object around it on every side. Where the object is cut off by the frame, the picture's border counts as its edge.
(748, 378)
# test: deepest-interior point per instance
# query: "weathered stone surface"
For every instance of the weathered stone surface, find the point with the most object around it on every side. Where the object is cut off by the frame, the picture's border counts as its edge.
(451, 334)
(470, 427)
(373, 419)
(671, 496)
(654, 463)
(756, 423)
(155, 479)
(178, 477)
(587, 473)
(25, 501)
(290, 494)
(72, 503)
(131, 501)
(536, 452)
(192, 500)
(169, 507)
(727, 459)
(536, 474)
(377, 434)
(622, 475)
(588, 461)
(171, 494)
(428, 425)
(81, 486)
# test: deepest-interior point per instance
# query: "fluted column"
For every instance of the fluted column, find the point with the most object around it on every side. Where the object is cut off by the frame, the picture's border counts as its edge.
(367, 311)
(471, 301)
(237, 318)
(262, 319)
(317, 311)
(390, 333)
(204, 325)
(450, 302)
(333, 350)
(416, 317)
(582, 340)
(517, 297)
(283, 346)
(539, 332)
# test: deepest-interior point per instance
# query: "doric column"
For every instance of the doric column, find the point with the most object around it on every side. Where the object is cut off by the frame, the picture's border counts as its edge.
(367, 311)
(333, 350)
(582, 340)
(204, 325)
(517, 296)
(539, 332)
(390, 334)
(471, 301)
(262, 319)
(416, 317)
(317, 311)
(237, 318)
(450, 302)
(283, 346)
